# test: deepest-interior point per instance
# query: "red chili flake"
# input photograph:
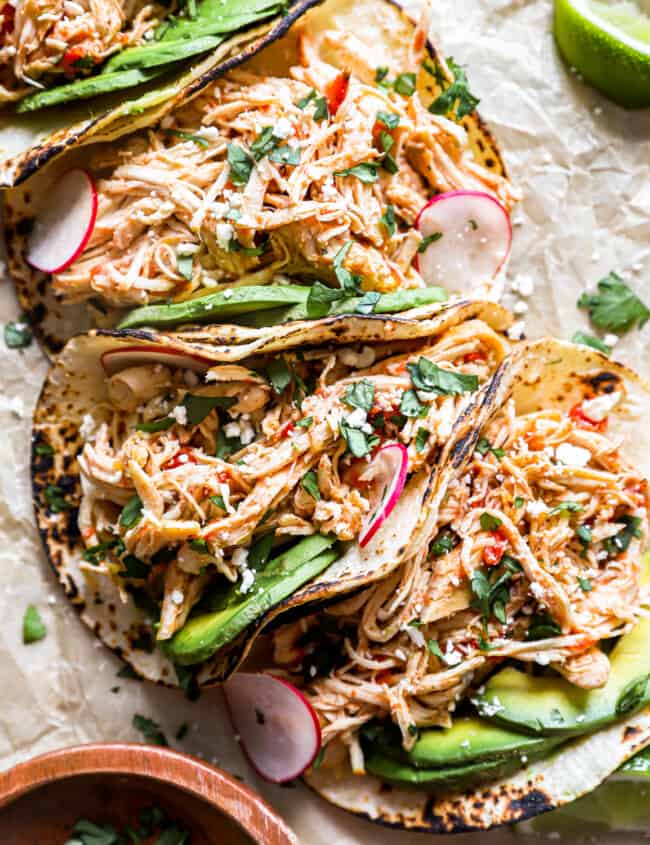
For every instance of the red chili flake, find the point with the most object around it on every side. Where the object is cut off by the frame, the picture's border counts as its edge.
(183, 456)
(384, 677)
(286, 430)
(475, 356)
(8, 13)
(336, 92)
(493, 553)
(579, 417)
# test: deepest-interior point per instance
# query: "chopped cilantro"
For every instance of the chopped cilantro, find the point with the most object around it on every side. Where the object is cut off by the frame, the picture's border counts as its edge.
(360, 394)
(365, 172)
(321, 111)
(584, 339)
(241, 164)
(457, 97)
(279, 374)
(566, 508)
(198, 407)
(18, 335)
(218, 502)
(381, 73)
(431, 378)
(33, 626)
(264, 143)
(584, 535)
(621, 541)
(303, 102)
(615, 307)
(131, 512)
(519, 501)
(444, 542)
(411, 406)
(421, 440)
(150, 730)
(53, 496)
(259, 552)
(358, 443)
(134, 567)
(585, 584)
(389, 119)
(309, 483)
(286, 155)
(430, 239)
(489, 522)
(405, 84)
(187, 136)
(155, 425)
(200, 545)
(542, 627)
(434, 648)
(388, 220)
(305, 423)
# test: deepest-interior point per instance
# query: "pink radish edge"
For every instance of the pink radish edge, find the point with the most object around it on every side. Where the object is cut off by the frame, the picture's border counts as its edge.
(397, 492)
(89, 229)
(135, 353)
(483, 194)
(317, 730)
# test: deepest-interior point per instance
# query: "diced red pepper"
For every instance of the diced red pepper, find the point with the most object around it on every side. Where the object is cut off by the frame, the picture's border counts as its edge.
(336, 92)
(70, 59)
(475, 356)
(579, 417)
(183, 456)
(384, 677)
(493, 553)
(286, 430)
(8, 17)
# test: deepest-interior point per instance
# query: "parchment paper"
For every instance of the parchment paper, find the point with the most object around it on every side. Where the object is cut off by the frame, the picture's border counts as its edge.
(583, 165)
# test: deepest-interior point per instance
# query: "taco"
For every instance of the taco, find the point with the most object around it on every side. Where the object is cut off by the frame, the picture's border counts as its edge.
(186, 496)
(114, 66)
(308, 168)
(502, 670)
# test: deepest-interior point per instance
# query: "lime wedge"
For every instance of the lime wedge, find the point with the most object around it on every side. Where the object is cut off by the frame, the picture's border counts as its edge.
(609, 44)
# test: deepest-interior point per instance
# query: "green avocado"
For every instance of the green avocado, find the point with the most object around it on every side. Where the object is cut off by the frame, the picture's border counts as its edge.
(83, 89)
(260, 306)
(636, 768)
(458, 776)
(213, 306)
(157, 53)
(552, 706)
(202, 636)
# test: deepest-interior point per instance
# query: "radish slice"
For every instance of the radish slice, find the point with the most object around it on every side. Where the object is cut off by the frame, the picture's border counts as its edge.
(131, 356)
(476, 235)
(277, 727)
(387, 474)
(64, 223)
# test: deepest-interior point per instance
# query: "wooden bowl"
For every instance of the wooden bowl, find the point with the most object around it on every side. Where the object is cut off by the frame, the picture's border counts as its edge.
(41, 800)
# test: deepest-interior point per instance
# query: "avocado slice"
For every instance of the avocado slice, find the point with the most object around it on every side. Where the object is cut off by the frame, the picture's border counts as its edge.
(213, 306)
(202, 636)
(447, 777)
(261, 306)
(552, 706)
(636, 768)
(156, 53)
(91, 86)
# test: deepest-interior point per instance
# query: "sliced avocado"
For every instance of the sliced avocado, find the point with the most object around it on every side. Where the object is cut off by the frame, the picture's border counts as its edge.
(445, 777)
(262, 306)
(218, 17)
(83, 89)
(553, 706)
(636, 768)
(202, 636)
(469, 740)
(157, 53)
(213, 306)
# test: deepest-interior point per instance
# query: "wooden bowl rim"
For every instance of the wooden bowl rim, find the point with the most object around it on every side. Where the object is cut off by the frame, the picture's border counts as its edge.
(209, 784)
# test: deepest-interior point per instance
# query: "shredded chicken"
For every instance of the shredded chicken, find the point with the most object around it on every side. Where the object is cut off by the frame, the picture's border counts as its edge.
(563, 542)
(187, 475)
(262, 175)
(44, 39)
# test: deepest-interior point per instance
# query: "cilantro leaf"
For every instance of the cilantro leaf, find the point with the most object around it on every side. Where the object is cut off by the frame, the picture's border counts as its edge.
(421, 439)
(279, 374)
(430, 239)
(434, 648)
(621, 541)
(321, 298)
(431, 378)
(198, 407)
(218, 502)
(411, 406)
(150, 730)
(264, 143)
(542, 627)
(361, 394)
(285, 155)
(388, 220)
(33, 626)
(348, 281)
(18, 335)
(156, 425)
(241, 164)
(566, 508)
(131, 512)
(259, 552)
(457, 97)
(584, 535)
(358, 443)
(309, 483)
(405, 84)
(381, 73)
(367, 303)
(365, 172)
(584, 339)
(489, 522)
(187, 136)
(615, 307)
(321, 110)
(389, 119)
(444, 542)
(303, 102)
(585, 584)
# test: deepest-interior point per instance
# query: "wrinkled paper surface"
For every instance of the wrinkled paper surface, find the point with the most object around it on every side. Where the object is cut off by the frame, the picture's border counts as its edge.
(583, 165)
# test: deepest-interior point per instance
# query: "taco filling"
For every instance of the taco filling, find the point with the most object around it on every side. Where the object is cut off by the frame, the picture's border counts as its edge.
(191, 484)
(536, 561)
(320, 174)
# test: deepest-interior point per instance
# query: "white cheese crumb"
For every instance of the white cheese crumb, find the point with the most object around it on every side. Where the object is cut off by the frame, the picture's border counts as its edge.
(232, 429)
(356, 418)
(611, 339)
(247, 580)
(227, 293)
(543, 659)
(520, 307)
(536, 507)
(179, 413)
(282, 128)
(224, 234)
(451, 656)
(415, 635)
(524, 285)
(362, 359)
(598, 408)
(517, 330)
(400, 654)
(571, 455)
(247, 434)
(239, 558)
(537, 590)
(177, 597)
